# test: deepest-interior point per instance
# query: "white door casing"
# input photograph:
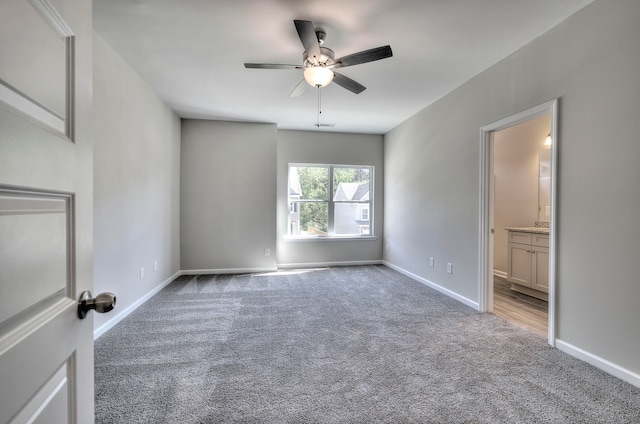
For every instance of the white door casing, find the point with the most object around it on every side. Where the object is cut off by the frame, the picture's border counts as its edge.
(485, 247)
(46, 168)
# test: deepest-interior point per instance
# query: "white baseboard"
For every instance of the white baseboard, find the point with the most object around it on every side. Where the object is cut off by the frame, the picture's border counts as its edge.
(326, 264)
(225, 271)
(606, 366)
(454, 295)
(499, 273)
(125, 312)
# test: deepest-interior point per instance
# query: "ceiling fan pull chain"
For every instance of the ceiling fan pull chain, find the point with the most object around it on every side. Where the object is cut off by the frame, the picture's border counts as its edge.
(318, 124)
(319, 106)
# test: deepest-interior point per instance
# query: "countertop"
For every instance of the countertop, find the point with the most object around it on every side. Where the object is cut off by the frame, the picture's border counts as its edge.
(535, 230)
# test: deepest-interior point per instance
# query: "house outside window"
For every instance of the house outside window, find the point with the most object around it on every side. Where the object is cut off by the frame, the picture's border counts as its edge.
(330, 200)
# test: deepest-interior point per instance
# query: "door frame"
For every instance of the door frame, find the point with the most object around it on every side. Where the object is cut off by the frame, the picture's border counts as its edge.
(486, 240)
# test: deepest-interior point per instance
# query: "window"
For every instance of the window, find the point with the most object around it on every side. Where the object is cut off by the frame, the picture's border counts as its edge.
(330, 200)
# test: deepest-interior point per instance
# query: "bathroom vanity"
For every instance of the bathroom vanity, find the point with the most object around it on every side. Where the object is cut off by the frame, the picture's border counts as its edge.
(528, 260)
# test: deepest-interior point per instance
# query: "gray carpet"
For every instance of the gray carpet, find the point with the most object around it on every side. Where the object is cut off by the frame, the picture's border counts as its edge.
(338, 345)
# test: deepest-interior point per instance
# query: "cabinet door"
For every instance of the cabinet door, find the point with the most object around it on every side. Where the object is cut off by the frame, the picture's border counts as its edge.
(519, 264)
(540, 269)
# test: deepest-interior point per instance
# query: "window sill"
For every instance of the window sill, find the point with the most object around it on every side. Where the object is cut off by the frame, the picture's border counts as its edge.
(328, 238)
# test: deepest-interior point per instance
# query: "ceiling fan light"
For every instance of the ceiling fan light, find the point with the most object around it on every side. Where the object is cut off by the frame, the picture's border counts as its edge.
(318, 76)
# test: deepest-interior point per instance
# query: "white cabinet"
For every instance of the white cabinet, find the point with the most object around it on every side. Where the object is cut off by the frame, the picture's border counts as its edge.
(528, 263)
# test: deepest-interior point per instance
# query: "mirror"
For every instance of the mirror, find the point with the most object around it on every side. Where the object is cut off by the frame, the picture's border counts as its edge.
(544, 185)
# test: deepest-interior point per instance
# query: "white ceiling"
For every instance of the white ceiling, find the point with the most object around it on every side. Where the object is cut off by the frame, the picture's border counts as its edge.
(192, 53)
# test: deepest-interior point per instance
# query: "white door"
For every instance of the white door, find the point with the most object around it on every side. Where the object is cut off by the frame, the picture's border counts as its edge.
(46, 351)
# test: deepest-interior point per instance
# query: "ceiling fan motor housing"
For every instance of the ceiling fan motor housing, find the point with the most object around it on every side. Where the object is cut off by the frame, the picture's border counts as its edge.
(326, 58)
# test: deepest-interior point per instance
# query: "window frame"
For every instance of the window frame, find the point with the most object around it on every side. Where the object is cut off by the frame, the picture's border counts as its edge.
(331, 202)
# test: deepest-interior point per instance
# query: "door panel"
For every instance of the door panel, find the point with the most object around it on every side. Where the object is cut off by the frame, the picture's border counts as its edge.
(34, 255)
(49, 404)
(54, 400)
(40, 333)
(46, 168)
(37, 79)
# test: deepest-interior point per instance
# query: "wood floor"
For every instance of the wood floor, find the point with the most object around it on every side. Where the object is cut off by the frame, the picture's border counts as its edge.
(518, 308)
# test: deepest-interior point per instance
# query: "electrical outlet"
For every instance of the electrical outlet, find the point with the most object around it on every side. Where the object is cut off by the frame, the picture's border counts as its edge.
(141, 273)
(431, 262)
(155, 266)
(267, 251)
(449, 268)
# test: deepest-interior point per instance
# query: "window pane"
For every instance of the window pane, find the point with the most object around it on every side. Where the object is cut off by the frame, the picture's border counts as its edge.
(313, 219)
(343, 190)
(351, 218)
(309, 183)
(351, 184)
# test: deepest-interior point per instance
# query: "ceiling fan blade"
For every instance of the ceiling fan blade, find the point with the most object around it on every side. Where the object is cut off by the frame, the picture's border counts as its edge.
(307, 34)
(348, 83)
(299, 89)
(270, 66)
(364, 57)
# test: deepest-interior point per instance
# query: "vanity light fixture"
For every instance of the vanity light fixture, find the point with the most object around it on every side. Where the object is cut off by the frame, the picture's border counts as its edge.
(547, 141)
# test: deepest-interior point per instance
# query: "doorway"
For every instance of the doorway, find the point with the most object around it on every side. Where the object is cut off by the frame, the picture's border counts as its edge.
(489, 251)
(521, 201)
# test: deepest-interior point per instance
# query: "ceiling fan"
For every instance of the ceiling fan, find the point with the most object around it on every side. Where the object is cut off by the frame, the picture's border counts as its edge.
(319, 62)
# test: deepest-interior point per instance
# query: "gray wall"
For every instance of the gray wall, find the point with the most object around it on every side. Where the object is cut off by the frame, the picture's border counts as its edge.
(234, 195)
(329, 148)
(591, 61)
(515, 170)
(228, 196)
(136, 182)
